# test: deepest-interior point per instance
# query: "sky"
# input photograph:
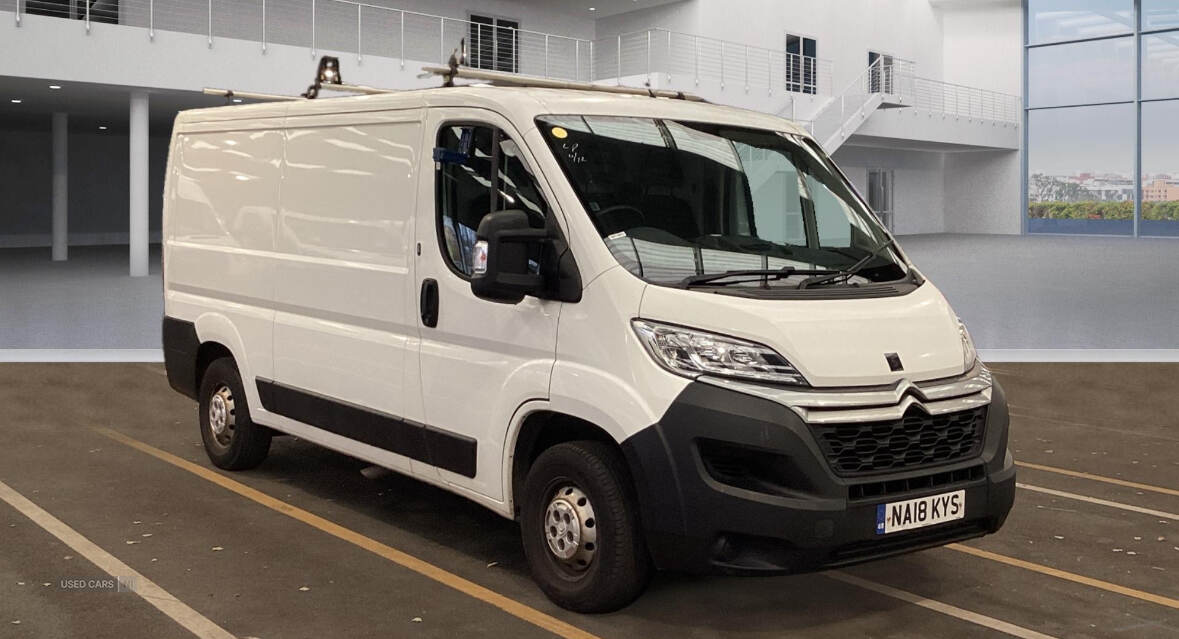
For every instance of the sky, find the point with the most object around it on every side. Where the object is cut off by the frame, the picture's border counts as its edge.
(1100, 139)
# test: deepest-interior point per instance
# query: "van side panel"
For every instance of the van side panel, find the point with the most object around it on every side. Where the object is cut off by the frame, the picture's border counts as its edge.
(220, 217)
(345, 323)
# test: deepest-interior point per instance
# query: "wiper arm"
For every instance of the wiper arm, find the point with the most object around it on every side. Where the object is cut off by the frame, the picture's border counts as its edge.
(847, 273)
(760, 274)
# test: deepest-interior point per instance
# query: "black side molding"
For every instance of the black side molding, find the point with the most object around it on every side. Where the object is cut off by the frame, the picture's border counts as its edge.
(434, 446)
(180, 355)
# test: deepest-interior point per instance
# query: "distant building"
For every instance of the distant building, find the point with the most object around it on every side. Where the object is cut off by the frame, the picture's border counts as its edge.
(1160, 190)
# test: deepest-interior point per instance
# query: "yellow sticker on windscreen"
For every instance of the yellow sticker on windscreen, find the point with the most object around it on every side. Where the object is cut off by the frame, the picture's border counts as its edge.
(560, 133)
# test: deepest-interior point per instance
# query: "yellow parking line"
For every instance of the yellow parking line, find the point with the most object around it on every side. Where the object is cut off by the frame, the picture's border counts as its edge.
(1067, 576)
(1108, 480)
(424, 568)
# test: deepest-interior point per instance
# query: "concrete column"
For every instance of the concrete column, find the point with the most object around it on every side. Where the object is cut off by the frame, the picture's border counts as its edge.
(138, 184)
(61, 186)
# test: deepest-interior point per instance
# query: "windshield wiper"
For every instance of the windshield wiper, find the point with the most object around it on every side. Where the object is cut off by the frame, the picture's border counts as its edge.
(847, 273)
(759, 275)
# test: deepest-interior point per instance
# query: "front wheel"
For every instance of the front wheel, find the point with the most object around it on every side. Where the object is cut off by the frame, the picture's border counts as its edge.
(581, 529)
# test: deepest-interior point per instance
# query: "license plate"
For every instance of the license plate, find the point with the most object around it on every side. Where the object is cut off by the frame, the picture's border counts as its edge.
(920, 512)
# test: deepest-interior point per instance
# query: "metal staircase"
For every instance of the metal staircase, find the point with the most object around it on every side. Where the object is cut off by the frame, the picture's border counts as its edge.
(878, 87)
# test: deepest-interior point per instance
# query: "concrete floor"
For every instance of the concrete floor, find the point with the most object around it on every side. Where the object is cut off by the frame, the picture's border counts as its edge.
(1117, 421)
(88, 301)
(1057, 292)
(1015, 292)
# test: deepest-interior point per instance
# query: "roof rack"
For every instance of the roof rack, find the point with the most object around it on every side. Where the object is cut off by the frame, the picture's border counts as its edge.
(230, 94)
(504, 78)
(328, 78)
(456, 68)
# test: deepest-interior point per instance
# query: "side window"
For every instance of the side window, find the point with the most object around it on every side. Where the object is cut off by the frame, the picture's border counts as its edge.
(465, 160)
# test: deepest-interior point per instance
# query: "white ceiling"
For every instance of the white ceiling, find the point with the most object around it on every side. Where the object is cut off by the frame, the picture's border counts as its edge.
(89, 105)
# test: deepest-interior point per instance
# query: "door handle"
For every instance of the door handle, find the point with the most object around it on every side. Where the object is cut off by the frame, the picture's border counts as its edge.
(429, 302)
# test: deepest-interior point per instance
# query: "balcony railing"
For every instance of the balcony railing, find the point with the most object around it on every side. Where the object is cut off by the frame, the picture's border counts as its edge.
(964, 101)
(660, 55)
(656, 56)
(345, 26)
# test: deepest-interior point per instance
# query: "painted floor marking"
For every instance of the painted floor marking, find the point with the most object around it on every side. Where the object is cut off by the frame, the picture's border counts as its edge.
(147, 589)
(1100, 478)
(937, 606)
(1101, 502)
(1067, 576)
(511, 606)
(403, 559)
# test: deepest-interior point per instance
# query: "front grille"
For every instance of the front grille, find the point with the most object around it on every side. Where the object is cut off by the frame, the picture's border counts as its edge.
(878, 489)
(914, 441)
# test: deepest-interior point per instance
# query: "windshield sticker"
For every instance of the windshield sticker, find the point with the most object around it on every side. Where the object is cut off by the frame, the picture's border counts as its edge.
(560, 133)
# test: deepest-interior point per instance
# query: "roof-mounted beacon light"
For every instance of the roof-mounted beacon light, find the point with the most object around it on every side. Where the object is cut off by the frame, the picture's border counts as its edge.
(327, 73)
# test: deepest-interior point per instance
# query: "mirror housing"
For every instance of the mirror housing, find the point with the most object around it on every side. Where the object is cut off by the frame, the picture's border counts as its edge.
(505, 243)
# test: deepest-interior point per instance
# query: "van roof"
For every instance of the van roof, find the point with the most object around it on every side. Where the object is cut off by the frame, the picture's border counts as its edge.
(515, 103)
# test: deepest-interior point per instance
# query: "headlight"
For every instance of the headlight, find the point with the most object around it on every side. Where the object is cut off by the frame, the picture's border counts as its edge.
(969, 353)
(690, 352)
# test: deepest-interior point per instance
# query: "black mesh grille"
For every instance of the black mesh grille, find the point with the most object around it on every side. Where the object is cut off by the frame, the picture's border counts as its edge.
(876, 489)
(914, 441)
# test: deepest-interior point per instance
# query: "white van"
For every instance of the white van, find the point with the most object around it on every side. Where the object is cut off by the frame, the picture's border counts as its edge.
(659, 333)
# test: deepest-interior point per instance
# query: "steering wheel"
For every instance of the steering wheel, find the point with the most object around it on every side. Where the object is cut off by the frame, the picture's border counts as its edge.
(604, 220)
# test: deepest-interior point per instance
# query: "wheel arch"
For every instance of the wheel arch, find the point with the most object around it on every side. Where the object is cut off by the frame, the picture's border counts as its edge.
(190, 346)
(207, 353)
(539, 427)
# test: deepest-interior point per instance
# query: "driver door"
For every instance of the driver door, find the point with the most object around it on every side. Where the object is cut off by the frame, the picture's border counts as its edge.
(480, 360)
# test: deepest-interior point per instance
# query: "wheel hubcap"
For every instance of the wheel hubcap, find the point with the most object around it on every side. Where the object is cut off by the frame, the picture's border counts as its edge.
(221, 419)
(570, 528)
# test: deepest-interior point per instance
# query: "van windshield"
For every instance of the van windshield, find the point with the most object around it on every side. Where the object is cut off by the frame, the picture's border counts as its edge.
(684, 203)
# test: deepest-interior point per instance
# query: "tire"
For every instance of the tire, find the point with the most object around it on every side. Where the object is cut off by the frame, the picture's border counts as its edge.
(240, 444)
(616, 566)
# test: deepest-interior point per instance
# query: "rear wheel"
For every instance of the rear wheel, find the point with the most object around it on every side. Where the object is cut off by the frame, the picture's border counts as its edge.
(581, 529)
(232, 441)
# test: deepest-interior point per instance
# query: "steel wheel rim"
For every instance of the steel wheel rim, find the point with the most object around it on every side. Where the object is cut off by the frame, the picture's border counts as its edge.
(570, 528)
(222, 421)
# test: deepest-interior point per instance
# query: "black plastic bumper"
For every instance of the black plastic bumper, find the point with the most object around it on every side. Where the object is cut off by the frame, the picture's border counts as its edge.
(800, 515)
(181, 345)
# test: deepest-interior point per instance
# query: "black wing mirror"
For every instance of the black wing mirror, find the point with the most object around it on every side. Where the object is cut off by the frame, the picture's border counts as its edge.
(506, 262)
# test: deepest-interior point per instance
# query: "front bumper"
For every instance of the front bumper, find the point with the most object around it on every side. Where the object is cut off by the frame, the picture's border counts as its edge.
(793, 513)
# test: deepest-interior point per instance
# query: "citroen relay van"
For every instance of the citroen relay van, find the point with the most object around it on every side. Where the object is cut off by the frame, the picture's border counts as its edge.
(660, 334)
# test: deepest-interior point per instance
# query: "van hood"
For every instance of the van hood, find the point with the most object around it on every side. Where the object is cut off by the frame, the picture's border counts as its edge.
(833, 343)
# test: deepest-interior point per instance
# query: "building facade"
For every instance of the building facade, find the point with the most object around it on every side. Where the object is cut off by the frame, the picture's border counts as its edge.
(917, 99)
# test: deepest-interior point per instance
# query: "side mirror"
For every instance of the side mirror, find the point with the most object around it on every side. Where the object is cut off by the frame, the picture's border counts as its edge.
(506, 249)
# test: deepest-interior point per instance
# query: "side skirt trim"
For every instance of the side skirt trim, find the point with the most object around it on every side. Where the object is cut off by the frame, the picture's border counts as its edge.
(444, 449)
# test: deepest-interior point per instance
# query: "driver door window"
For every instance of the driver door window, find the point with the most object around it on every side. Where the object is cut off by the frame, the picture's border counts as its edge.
(466, 159)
